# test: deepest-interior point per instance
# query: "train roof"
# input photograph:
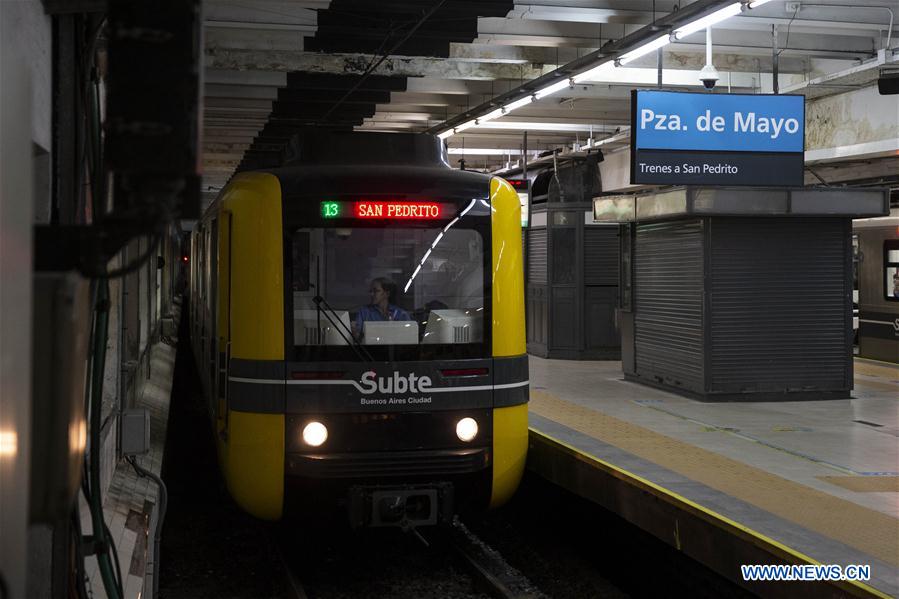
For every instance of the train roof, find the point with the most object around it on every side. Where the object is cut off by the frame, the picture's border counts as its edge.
(417, 181)
(327, 163)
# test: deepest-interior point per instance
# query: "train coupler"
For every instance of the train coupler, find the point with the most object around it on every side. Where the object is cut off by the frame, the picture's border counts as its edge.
(405, 507)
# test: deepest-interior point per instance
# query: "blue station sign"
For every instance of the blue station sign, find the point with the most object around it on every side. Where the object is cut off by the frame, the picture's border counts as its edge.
(717, 139)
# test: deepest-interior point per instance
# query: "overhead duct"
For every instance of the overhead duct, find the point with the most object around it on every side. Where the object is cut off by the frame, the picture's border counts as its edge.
(888, 83)
(577, 181)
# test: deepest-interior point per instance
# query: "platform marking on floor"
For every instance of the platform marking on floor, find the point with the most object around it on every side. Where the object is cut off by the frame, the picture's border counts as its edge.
(865, 484)
(865, 529)
(776, 547)
(747, 437)
(878, 369)
(709, 427)
(862, 382)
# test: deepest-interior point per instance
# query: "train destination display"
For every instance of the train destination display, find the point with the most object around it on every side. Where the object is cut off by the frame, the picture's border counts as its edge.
(681, 138)
(400, 209)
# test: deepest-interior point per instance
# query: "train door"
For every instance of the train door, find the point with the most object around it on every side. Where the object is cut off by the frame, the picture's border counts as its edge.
(212, 328)
(198, 302)
(223, 337)
(192, 289)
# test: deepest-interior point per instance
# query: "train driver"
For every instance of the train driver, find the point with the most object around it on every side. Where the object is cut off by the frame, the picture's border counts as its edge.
(381, 308)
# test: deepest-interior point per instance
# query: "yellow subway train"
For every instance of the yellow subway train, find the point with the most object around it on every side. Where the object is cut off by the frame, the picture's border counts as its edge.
(357, 319)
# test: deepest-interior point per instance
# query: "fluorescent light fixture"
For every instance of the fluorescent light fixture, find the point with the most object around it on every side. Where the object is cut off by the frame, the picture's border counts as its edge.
(518, 103)
(489, 151)
(707, 21)
(466, 125)
(659, 42)
(490, 116)
(605, 67)
(536, 126)
(550, 90)
(445, 134)
(757, 3)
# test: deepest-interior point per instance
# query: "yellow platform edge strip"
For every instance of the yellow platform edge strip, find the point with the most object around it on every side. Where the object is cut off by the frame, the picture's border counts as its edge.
(712, 516)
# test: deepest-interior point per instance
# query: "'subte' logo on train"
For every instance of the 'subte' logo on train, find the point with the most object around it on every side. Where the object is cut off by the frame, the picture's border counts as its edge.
(397, 383)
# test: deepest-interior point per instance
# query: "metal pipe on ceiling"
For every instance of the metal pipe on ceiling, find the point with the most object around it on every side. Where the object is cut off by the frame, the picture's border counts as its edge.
(865, 6)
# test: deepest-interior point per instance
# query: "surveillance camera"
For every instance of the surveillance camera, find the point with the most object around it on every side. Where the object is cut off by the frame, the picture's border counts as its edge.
(709, 76)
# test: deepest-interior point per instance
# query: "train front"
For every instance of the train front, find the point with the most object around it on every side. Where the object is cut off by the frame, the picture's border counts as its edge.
(405, 373)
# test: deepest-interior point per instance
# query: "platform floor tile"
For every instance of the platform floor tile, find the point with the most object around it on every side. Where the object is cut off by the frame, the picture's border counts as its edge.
(819, 476)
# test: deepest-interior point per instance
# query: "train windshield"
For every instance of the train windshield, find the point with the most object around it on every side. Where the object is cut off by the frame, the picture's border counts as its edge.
(389, 293)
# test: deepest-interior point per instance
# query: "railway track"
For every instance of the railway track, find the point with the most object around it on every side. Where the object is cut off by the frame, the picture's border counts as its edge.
(293, 588)
(477, 570)
(488, 567)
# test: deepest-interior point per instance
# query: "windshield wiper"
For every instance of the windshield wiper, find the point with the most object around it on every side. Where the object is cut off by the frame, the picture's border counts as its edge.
(328, 311)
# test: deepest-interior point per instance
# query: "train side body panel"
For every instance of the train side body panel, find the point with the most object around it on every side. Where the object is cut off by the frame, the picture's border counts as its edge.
(257, 279)
(510, 424)
(252, 448)
(508, 271)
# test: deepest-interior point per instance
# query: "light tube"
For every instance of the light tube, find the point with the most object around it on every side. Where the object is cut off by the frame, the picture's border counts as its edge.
(549, 90)
(489, 151)
(490, 116)
(645, 49)
(594, 72)
(536, 126)
(466, 125)
(518, 103)
(707, 21)
(445, 134)
(757, 3)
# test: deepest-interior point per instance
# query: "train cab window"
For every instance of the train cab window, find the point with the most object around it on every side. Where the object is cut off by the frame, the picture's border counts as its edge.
(400, 293)
(891, 270)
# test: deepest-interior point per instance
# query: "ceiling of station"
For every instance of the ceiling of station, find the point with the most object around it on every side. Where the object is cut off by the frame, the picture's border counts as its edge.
(276, 66)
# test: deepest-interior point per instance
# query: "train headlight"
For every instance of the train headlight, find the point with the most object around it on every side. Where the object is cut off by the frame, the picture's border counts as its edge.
(315, 434)
(467, 429)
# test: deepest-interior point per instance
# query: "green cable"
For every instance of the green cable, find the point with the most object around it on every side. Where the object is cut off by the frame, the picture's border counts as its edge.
(111, 582)
(101, 325)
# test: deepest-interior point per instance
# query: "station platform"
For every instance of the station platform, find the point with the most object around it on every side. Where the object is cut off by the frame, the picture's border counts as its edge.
(808, 482)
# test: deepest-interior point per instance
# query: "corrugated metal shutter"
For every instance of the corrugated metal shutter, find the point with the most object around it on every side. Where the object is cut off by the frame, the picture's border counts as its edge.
(778, 308)
(668, 268)
(537, 256)
(600, 255)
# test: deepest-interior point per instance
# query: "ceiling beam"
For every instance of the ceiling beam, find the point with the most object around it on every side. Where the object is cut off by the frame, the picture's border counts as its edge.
(543, 12)
(357, 64)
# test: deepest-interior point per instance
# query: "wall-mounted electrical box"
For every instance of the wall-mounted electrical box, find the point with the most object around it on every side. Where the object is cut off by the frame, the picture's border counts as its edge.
(135, 431)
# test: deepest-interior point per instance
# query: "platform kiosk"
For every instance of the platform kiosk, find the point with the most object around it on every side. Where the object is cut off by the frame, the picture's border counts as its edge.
(731, 294)
(572, 267)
